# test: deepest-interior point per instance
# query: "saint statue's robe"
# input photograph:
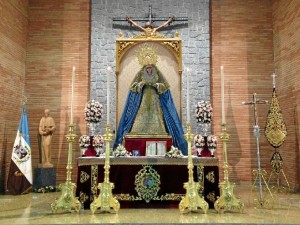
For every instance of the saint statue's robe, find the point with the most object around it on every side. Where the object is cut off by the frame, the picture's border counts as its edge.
(150, 110)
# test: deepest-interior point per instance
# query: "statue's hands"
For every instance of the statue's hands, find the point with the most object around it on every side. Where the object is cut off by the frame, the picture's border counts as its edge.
(141, 85)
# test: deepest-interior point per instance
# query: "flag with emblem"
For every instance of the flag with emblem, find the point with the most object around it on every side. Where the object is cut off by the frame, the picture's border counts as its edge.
(20, 172)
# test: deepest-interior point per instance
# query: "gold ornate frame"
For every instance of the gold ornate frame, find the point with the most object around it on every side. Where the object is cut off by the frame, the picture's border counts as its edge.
(174, 46)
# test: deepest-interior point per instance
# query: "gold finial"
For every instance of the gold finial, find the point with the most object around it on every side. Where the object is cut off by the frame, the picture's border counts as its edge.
(120, 34)
(146, 55)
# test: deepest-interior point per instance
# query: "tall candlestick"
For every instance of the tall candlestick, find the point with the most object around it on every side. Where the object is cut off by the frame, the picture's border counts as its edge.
(109, 70)
(222, 95)
(188, 95)
(72, 95)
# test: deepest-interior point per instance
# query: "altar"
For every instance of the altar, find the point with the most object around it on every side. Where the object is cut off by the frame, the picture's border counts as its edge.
(147, 182)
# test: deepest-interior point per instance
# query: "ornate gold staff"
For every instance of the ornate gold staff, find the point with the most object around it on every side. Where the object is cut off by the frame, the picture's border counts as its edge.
(67, 200)
(191, 201)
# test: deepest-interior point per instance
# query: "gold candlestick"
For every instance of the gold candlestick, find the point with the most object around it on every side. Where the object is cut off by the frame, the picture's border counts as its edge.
(105, 200)
(67, 200)
(191, 201)
(227, 201)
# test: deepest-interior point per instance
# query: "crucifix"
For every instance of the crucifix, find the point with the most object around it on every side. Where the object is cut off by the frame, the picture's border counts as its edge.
(149, 20)
(256, 132)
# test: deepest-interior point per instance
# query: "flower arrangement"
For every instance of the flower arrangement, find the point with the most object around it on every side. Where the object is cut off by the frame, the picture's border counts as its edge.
(212, 141)
(121, 151)
(204, 112)
(84, 141)
(98, 141)
(93, 112)
(174, 153)
(199, 141)
(46, 189)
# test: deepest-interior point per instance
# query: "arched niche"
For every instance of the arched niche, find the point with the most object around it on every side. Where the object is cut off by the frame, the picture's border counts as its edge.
(169, 51)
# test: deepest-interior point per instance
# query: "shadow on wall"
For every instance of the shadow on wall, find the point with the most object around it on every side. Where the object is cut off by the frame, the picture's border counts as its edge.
(232, 130)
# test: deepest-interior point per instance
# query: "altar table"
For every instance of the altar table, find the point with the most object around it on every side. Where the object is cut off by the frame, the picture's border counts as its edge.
(151, 182)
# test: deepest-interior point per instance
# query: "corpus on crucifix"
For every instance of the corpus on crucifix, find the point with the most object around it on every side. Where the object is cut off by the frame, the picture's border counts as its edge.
(149, 29)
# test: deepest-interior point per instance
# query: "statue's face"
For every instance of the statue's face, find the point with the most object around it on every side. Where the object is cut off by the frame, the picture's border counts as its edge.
(47, 113)
(149, 69)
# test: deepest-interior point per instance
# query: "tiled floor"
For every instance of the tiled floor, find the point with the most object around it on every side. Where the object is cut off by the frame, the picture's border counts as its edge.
(35, 209)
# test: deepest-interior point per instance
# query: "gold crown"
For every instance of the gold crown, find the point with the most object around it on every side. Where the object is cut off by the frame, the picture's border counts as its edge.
(146, 55)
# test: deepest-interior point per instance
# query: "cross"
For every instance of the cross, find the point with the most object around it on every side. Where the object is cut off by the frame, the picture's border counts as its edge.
(254, 102)
(150, 18)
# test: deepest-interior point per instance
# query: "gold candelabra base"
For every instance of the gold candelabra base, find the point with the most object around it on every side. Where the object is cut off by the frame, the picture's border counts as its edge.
(105, 200)
(192, 200)
(67, 201)
(227, 200)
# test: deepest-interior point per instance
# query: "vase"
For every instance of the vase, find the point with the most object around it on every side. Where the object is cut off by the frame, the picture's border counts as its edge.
(99, 151)
(92, 127)
(212, 150)
(203, 129)
(83, 150)
(199, 150)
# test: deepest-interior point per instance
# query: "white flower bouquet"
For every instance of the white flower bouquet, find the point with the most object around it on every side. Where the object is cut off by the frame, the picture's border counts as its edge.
(84, 141)
(121, 151)
(93, 112)
(174, 153)
(98, 141)
(204, 112)
(212, 141)
(199, 141)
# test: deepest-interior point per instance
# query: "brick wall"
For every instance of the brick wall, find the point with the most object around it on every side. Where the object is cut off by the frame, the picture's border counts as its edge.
(58, 40)
(241, 33)
(287, 67)
(13, 30)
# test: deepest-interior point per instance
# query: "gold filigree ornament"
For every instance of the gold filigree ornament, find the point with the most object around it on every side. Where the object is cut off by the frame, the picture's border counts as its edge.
(147, 183)
(275, 130)
(147, 55)
(84, 176)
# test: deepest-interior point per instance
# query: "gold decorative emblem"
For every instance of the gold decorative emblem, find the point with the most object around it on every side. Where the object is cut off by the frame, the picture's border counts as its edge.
(84, 176)
(94, 181)
(275, 130)
(83, 197)
(211, 196)
(276, 162)
(147, 183)
(211, 176)
(146, 55)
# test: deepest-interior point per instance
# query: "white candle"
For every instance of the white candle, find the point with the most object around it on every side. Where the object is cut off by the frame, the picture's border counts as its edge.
(274, 81)
(188, 95)
(72, 95)
(222, 95)
(109, 70)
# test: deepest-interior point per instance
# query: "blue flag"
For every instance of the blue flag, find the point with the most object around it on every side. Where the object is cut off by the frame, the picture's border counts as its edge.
(20, 171)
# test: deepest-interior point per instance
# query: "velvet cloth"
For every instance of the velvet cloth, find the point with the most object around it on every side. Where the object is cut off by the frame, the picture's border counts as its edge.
(172, 178)
(171, 119)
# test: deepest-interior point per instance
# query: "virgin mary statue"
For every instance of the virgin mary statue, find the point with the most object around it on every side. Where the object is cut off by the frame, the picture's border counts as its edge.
(149, 108)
